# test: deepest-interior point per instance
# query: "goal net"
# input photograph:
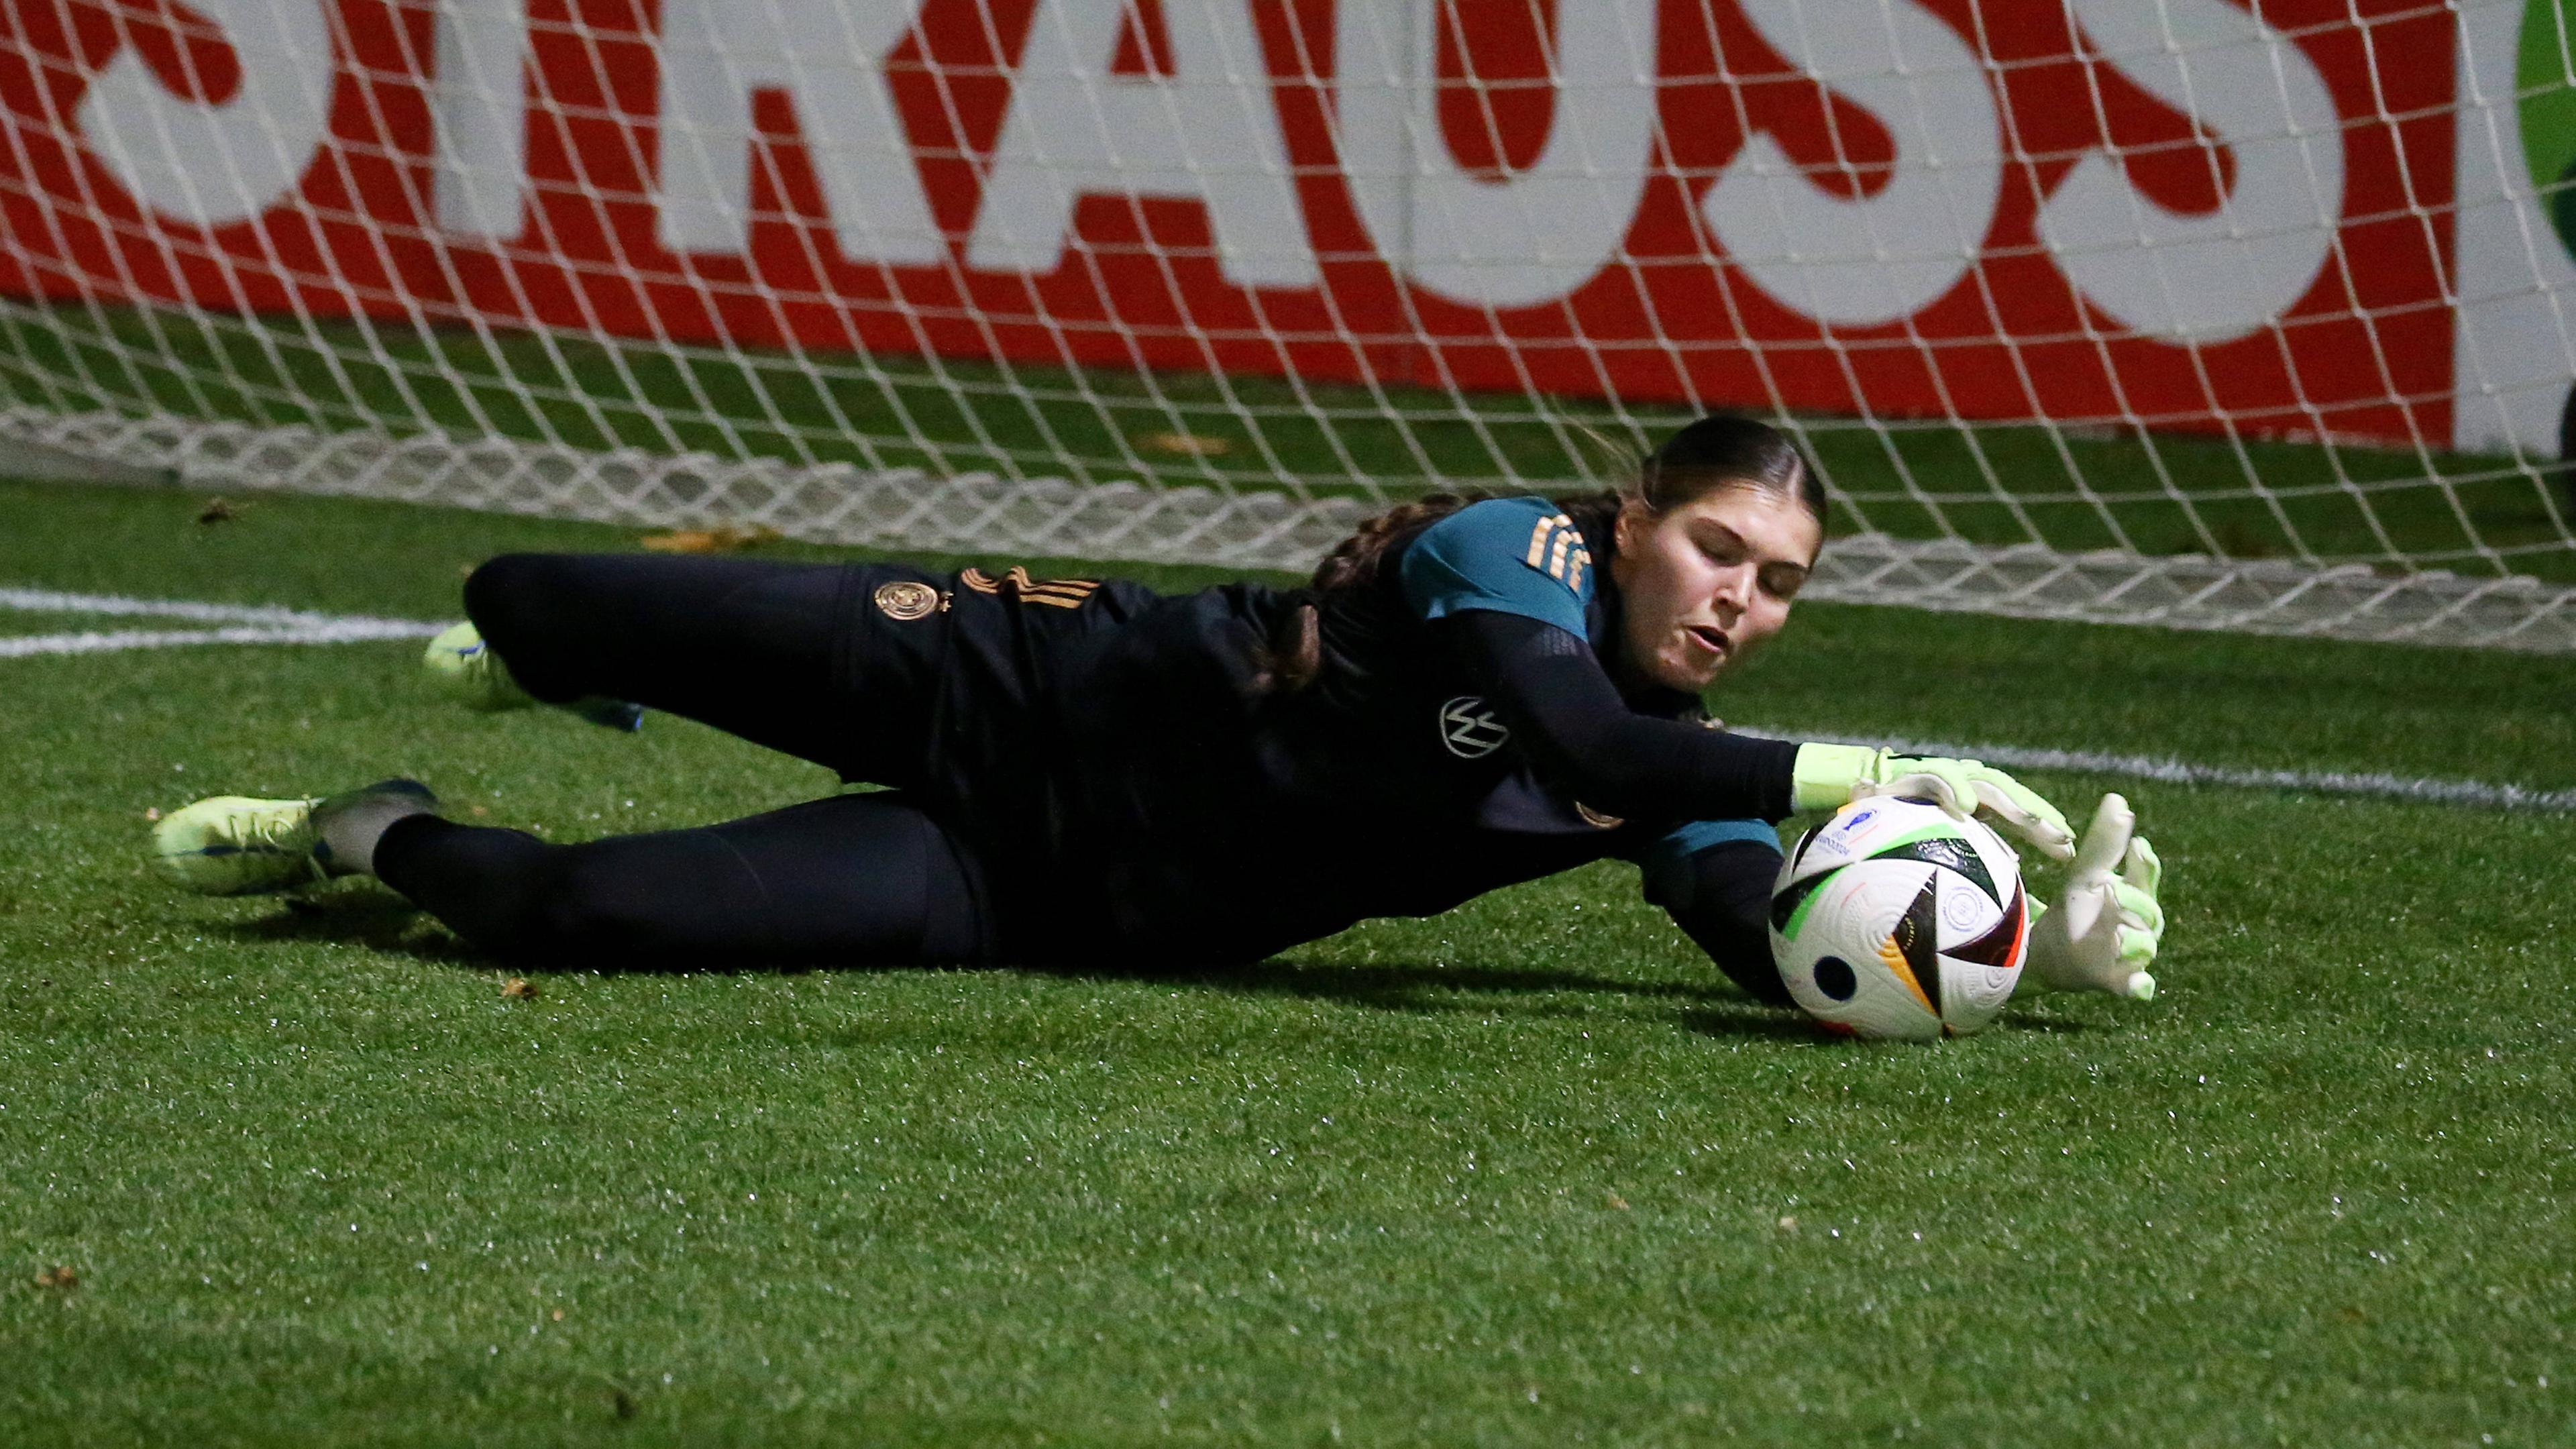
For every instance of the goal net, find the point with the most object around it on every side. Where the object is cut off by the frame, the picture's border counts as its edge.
(2208, 313)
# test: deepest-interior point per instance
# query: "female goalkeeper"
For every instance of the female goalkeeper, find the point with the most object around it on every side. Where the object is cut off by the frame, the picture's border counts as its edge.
(1467, 695)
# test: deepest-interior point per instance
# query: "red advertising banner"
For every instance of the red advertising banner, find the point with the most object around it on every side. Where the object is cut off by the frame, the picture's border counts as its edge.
(2188, 214)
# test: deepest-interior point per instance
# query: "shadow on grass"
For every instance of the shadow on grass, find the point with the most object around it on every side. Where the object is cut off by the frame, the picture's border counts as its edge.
(1424, 987)
(380, 921)
(1744, 1017)
(377, 920)
(2025, 1021)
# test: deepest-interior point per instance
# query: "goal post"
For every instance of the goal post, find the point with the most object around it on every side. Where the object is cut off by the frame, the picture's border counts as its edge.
(2246, 314)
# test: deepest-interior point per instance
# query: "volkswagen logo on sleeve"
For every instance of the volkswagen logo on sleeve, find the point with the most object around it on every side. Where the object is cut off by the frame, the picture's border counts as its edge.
(1469, 729)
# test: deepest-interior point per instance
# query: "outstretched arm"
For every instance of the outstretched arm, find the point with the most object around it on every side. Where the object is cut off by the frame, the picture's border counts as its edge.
(1506, 581)
(1548, 686)
(1552, 690)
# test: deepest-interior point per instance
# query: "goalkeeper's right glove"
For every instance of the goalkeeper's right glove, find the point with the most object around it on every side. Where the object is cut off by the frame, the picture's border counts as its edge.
(1827, 777)
(2107, 926)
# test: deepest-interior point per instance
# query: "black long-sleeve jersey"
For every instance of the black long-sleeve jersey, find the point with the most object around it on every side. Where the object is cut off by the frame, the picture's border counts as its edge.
(1460, 734)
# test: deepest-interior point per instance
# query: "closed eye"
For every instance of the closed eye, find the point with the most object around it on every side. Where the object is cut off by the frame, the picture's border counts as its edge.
(1720, 545)
(1725, 548)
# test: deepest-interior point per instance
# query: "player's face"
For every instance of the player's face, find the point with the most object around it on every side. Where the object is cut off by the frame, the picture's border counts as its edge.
(1706, 582)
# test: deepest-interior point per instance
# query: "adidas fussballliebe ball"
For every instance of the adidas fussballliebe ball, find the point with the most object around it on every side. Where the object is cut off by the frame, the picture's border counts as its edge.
(1895, 919)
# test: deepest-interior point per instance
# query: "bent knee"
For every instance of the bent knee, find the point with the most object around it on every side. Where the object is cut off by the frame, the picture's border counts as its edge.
(508, 593)
(518, 603)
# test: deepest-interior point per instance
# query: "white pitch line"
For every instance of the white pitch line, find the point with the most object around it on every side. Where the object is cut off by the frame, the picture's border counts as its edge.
(251, 624)
(2166, 770)
(46, 601)
(347, 631)
(239, 624)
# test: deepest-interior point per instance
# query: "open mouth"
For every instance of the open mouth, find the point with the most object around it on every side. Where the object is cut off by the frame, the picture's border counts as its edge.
(1709, 639)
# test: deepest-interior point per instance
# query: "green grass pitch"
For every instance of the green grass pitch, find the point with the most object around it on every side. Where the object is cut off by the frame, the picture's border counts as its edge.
(1529, 1173)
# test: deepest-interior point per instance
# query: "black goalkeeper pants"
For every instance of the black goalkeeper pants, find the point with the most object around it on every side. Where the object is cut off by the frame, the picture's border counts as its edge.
(754, 648)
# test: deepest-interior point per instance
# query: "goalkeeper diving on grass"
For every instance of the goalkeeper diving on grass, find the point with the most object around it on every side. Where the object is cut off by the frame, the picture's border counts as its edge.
(1468, 694)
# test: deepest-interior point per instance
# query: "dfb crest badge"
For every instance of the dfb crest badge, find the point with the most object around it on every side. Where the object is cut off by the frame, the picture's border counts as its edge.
(905, 600)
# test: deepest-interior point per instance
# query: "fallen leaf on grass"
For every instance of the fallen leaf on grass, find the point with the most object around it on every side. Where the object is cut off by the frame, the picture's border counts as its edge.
(1188, 445)
(481, 810)
(154, 813)
(58, 1276)
(519, 987)
(1788, 1225)
(1618, 1202)
(558, 1315)
(726, 538)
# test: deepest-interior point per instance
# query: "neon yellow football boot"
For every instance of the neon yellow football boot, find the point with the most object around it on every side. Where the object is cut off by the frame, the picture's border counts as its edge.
(232, 845)
(467, 670)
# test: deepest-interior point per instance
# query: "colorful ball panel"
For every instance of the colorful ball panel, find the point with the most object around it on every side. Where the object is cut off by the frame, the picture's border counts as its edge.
(1893, 919)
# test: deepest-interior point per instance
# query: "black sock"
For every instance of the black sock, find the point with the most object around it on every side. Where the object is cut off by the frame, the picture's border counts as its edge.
(487, 885)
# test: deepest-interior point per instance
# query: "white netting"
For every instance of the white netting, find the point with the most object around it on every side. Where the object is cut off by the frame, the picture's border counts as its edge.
(2175, 311)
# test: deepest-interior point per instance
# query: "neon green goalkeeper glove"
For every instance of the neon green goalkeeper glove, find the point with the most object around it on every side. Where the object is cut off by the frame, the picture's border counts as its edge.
(2108, 924)
(1827, 777)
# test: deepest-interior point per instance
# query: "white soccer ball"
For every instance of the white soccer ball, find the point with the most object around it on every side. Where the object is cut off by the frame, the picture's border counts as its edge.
(1895, 919)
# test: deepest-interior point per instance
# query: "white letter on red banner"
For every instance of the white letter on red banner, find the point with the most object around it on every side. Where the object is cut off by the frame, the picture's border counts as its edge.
(2204, 279)
(1545, 229)
(1872, 259)
(212, 163)
(1207, 133)
(829, 57)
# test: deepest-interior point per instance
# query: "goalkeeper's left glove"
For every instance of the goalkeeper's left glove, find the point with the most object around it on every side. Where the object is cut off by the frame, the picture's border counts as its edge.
(2108, 924)
(1824, 777)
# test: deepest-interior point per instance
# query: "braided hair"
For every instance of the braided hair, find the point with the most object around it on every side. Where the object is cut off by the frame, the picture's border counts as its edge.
(1716, 453)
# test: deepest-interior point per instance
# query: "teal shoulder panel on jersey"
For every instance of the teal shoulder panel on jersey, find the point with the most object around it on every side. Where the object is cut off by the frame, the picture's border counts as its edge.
(1512, 555)
(1676, 846)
